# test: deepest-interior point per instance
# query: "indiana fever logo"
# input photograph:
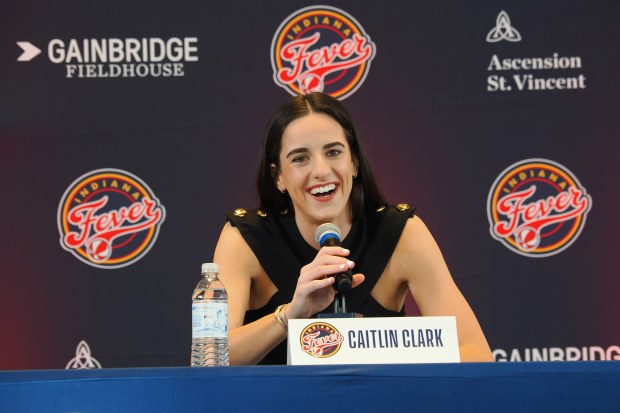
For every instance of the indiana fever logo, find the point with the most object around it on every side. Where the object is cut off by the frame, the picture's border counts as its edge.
(321, 340)
(321, 49)
(109, 218)
(537, 208)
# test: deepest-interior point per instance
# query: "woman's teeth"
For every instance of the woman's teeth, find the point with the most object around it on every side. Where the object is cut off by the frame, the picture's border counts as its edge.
(320, 190)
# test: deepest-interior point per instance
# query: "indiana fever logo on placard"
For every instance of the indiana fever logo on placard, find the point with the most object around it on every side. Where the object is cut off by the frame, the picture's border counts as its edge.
(109, 218)
(321, 340)
(537, 208)
(321, 49)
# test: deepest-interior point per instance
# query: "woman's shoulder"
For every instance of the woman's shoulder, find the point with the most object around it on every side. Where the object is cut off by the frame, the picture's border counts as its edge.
(402, 208)
(260, 230)
(253, 223)
(417, 248)
(390, 218)
(233, 246)
(241, 216)
(415, 233)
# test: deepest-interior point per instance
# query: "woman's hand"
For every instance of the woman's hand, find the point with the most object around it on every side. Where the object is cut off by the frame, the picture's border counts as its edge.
(314, 290)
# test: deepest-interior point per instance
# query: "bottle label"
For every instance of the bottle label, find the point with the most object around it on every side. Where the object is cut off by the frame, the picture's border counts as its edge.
(210, 320)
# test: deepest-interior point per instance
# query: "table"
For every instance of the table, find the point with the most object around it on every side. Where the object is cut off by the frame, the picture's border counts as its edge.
(469, 387)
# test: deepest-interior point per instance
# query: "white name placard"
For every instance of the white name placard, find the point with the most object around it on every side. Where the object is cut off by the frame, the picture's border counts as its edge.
(381, 340)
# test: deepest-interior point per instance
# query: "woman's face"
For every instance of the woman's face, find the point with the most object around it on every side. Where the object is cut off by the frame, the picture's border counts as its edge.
(317, 168)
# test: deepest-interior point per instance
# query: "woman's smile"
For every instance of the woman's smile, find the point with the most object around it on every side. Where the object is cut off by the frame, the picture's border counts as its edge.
(323, 192)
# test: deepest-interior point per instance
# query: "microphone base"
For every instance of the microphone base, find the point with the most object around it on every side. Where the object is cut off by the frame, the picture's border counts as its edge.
(340, 309)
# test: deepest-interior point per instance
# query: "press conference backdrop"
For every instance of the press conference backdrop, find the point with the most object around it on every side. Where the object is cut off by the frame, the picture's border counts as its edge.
(127, 129)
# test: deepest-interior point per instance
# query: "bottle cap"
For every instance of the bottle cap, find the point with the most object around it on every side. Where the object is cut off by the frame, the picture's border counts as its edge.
(210, 267)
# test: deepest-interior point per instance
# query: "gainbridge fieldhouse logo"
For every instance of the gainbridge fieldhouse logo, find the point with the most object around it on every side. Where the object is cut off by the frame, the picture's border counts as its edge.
(321, 49)
(537, 208)
(109, 218)
(320, 340)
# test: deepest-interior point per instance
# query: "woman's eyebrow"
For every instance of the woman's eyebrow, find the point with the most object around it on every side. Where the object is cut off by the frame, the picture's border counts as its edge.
(304, 150)
(331, 145)
(296, 151)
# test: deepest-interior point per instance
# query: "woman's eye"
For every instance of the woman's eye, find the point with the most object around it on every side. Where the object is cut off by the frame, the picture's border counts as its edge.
(300, 158)
(334, 152)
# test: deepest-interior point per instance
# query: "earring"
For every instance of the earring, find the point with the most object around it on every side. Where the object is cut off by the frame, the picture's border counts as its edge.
(355, 176)
(283, 191)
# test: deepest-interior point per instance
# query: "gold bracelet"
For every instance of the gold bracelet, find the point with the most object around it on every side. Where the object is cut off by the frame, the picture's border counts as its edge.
(280, 316)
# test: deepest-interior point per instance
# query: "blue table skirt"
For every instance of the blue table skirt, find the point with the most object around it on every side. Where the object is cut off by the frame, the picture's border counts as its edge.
(582, 387)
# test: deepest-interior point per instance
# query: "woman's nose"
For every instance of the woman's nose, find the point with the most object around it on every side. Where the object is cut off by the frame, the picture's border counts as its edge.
(320, 168)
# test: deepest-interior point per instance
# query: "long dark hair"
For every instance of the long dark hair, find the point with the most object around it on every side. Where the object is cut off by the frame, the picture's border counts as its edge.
(365, 195)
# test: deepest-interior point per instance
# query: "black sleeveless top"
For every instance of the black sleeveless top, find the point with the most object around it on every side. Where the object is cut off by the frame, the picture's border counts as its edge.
(282, 251)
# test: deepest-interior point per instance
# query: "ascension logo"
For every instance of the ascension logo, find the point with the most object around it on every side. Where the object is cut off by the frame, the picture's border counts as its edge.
(321, 49)
(552, 71)
(109, 218)
(321, 340)
(503, 30)
(83, 358)
(537, 208)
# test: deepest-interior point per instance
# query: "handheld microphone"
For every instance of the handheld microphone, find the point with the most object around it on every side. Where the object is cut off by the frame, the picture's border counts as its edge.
(328, 235)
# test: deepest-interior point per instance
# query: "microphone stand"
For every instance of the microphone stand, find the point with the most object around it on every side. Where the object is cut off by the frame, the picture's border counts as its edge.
(340, 303)
(340, 308)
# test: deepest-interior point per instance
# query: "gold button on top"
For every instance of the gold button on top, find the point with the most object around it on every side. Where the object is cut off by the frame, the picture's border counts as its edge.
(240, 212)
(402, 207)
(261, 213)
(380, 209)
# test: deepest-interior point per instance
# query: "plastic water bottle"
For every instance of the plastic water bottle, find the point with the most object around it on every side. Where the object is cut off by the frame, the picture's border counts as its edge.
(209, 320)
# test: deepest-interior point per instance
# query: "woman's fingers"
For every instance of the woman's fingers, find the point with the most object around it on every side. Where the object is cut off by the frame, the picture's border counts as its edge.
(308, 288)
(324, 266)
(314, 290)
(358, 279)
(311, 297)
(343, 252)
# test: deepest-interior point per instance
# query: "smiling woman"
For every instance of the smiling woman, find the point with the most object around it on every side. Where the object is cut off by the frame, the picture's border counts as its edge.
(316, 168)
(313, 170)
